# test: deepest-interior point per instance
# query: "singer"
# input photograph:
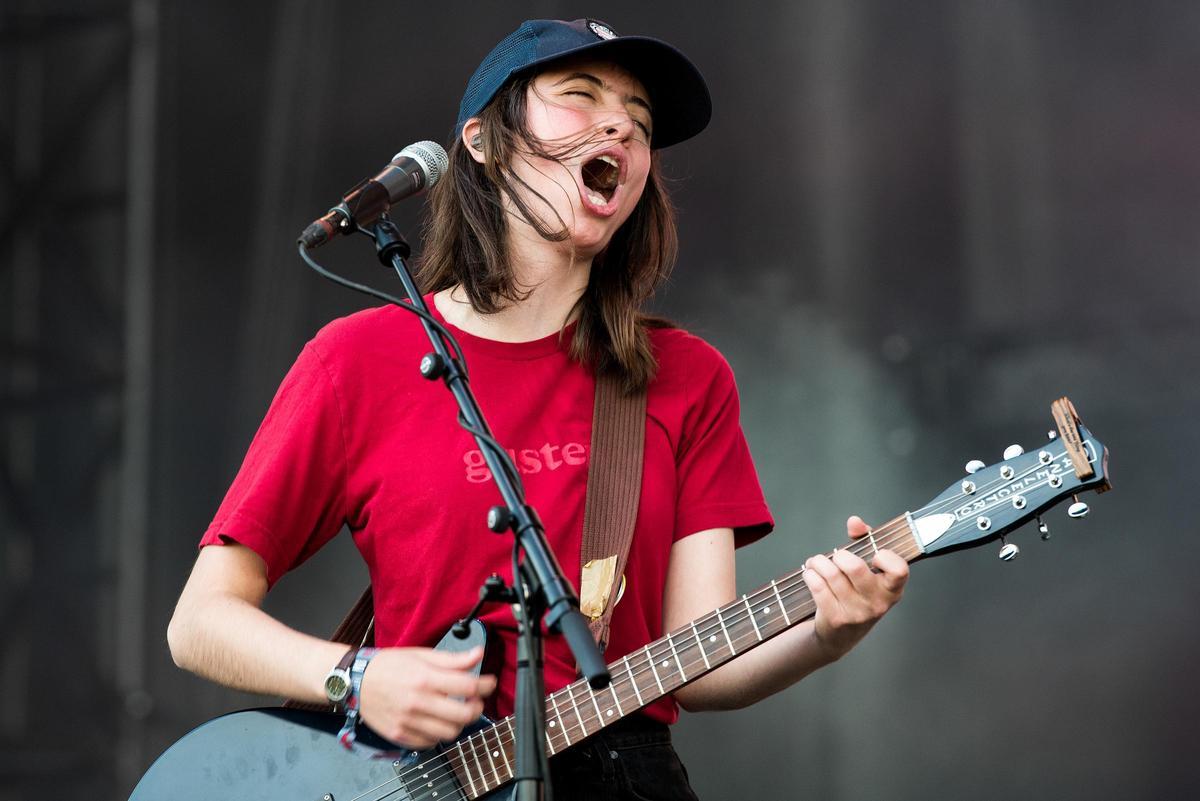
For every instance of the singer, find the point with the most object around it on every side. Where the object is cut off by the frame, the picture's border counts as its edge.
(549, 231)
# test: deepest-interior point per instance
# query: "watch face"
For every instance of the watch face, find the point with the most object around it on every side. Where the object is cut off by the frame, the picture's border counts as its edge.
(337, 686)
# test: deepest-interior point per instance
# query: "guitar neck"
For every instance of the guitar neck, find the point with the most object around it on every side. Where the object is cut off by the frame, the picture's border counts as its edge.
(483, 761)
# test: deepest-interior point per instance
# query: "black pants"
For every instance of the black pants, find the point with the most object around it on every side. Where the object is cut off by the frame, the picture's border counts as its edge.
(632, 760)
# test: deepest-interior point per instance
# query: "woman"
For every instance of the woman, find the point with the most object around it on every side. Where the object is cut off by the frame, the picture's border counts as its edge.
(548, 232)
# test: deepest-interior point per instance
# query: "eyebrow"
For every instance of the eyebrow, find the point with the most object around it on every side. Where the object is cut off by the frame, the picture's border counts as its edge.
(592, 79)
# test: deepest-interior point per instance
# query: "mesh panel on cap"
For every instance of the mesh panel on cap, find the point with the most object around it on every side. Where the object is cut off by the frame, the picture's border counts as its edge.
(517, 47)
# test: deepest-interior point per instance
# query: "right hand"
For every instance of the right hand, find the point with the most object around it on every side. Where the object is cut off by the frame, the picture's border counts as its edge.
(418, 697)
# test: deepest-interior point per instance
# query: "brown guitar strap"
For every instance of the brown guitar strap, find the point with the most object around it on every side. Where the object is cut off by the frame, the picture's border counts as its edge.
(610, 511)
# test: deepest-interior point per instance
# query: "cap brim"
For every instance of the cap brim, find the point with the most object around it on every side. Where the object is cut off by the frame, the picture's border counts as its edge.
(679, 98)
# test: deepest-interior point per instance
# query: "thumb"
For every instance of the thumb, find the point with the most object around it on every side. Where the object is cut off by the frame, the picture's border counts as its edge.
(456, 659)
(856, 527)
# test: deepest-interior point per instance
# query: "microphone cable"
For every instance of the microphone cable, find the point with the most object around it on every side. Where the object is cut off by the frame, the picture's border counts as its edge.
(460, 361)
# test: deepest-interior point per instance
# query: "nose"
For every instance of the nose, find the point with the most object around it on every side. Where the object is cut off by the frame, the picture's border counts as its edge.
(620, 126)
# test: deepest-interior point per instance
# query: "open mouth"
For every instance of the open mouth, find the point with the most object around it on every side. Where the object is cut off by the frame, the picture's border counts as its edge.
(600, 178)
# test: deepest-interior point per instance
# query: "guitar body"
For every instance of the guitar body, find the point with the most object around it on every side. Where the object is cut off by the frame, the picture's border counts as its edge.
(293, 755)
(277, 754)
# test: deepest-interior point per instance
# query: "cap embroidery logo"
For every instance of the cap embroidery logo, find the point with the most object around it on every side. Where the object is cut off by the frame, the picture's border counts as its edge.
(602, 30)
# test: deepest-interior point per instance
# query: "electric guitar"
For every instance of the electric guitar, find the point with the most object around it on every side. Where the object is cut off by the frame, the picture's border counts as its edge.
(290, 755)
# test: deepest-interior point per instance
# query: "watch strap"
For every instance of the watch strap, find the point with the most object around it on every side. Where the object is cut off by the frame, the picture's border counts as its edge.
(362, 658)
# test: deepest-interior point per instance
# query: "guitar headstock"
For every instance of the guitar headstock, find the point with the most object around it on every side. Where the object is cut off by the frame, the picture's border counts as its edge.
(995, 499)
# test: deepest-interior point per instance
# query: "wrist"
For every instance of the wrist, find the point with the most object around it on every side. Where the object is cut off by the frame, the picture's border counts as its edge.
(358, 666)
(827, 651)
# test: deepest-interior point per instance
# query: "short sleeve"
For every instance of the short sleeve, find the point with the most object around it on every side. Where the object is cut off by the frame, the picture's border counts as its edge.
(717, 484)
(289, 497)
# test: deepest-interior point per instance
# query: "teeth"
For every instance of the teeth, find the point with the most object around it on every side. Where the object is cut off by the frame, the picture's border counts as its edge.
(595, 198)
(609, 160)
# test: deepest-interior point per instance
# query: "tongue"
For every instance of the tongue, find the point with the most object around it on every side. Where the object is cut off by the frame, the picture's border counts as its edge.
(600, 177)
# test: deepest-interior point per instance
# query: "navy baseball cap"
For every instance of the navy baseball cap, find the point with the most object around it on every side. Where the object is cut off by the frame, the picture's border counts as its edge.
(678, 95)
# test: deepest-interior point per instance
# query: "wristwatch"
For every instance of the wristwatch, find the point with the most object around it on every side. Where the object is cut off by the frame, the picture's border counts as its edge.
(337, 683)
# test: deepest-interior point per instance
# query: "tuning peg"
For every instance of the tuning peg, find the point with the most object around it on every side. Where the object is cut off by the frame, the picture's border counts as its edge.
(1008, 551)
(1013, 451)
(1078, 509)
(1043, 528)
(974, 466)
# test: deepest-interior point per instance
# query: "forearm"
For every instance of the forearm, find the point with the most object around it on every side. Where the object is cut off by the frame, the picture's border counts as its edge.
(774, 665)
(230, 641)
(220, 632)
(850, 598)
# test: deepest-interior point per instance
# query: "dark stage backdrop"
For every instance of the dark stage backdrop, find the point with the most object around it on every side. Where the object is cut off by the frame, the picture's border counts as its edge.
(909, 227)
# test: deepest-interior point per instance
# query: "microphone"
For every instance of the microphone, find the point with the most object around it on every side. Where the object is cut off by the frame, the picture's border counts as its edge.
(411, 171)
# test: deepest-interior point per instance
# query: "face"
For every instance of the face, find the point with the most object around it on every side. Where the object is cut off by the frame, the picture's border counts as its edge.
(595, 118)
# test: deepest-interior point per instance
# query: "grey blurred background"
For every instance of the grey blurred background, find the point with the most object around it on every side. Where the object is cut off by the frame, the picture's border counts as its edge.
(909, 228)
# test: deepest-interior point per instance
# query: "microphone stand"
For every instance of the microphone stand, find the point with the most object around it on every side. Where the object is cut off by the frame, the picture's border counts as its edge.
(540, 586)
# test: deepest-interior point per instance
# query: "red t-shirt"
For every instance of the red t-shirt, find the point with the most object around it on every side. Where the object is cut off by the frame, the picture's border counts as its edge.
(355, 436)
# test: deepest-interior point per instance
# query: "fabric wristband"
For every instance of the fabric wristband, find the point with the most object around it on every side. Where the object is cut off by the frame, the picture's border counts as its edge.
(361, 659)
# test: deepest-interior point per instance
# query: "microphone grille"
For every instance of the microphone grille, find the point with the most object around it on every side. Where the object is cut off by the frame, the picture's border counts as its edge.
(431, 156)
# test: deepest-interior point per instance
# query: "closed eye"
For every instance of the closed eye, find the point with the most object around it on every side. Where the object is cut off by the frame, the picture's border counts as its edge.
(645, 128)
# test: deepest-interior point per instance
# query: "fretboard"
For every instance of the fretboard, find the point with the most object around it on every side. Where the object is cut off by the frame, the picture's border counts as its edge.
(484, 760)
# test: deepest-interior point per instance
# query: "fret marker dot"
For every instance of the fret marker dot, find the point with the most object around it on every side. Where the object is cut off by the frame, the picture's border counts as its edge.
(712, 638)
(609, 713)
(495, 753)
(552, 724)
(665, 663)
(766, 610)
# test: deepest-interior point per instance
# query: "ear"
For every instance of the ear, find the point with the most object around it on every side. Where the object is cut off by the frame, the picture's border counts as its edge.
(472, 137)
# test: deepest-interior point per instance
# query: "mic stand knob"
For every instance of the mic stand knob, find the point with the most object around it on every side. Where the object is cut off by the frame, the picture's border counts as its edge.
(494, 590)
(499, 519)
(432, 366)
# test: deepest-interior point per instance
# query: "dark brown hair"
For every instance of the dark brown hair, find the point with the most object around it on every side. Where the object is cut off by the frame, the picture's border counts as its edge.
(466, 237)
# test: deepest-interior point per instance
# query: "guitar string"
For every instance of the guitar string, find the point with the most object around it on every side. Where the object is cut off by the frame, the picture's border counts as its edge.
(505, 738)
(886, 535)
(450, 759)
(883, 537)
(789, 586)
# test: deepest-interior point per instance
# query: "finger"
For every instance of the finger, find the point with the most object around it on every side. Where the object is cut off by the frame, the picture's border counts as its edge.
(893, 570)
(433, 728)
(420, 734)
(857, 571)
(829, 608)
(856, 527)
(426, 719)
(449, 710)
(406, 737)
(822, 596)
(451, 659)
(837, 582)
(457, 683)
